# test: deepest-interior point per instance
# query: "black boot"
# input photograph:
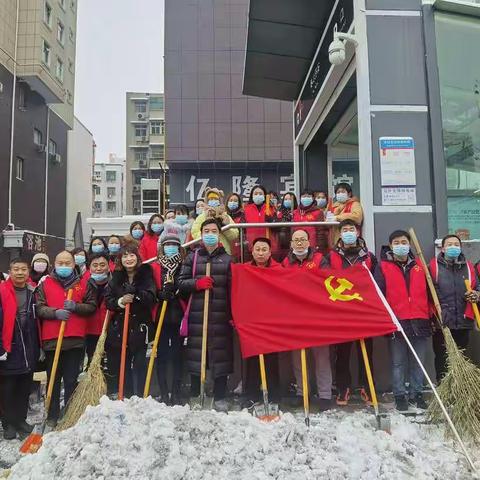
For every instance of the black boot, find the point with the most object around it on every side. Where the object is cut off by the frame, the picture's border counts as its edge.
(24, 427)
(420, 402)
(401, 403)
(9, 432)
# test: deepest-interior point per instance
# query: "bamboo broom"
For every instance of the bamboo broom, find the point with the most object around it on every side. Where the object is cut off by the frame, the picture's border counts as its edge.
(460, 387)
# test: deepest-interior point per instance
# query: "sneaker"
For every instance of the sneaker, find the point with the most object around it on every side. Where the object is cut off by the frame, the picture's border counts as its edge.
(420, 402)
(343, 397)
(401, 403)
(220, 406)
(365, 396)
(324, 404)
(24, 427)
(9, 432)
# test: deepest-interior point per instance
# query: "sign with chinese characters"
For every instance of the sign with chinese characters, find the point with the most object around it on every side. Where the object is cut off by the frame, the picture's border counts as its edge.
(34, 243)
(464, 215)
(187, 186)
(399, 196)
(397, 161)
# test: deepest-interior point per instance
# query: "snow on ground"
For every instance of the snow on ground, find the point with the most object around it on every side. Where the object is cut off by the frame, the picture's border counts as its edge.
(142, 439)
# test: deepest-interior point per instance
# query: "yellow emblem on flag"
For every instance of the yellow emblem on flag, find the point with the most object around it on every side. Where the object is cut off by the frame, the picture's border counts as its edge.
(337, 293)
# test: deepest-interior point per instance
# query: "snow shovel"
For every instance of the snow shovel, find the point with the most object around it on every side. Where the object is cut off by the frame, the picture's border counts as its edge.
(383, 421)
(34, 441)
(123, 357)
(468, 284)
(153, 355)
(269, 413)
(203, 366)
(306, 401)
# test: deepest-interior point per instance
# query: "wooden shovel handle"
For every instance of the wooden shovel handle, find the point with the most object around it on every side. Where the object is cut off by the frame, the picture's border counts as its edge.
(468, 284)
(123, 357)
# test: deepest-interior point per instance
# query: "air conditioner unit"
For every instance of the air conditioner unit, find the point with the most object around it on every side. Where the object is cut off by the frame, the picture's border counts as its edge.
(56, 158)
(142, 116)
(142, 163)
(144, 138)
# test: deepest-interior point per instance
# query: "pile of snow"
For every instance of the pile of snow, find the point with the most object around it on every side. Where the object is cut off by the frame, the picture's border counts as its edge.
(142, 439)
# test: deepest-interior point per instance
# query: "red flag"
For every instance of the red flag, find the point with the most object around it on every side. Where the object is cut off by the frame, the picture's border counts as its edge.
(277, 310)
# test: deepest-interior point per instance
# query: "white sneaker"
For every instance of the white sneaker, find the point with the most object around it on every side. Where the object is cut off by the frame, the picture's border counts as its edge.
(220, 406)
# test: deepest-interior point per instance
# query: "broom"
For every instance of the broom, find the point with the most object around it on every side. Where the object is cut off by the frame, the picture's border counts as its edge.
(460, 387)
(91, 388)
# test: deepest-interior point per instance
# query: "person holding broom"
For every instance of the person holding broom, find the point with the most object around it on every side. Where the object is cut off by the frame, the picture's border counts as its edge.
(166, 271)
(53, 307)
(131, 283)
(449, 271)
(194, 280)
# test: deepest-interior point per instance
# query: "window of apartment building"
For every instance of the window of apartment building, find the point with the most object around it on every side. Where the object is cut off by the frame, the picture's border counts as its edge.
(141, 156)
(157, 127)
(97, 206)
(111, 176)
(20, 167)
(158, 153)
(22, 97)
(140, 130)
(111, 192)
(47, 14)
(37, 137)
(61, 33)
(156, 103)
(59, 70)
(97, 190)
(140, 107)
(52, 147)
(111, 206)
(46, 53)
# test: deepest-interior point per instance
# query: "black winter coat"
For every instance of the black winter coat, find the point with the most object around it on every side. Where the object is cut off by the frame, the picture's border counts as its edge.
(220, 332)
(450, 287)
(174, 313)
(25, 351)
(141, 328)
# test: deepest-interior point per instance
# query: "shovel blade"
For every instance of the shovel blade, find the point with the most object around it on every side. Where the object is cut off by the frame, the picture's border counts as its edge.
(383, 423)
(32, 443)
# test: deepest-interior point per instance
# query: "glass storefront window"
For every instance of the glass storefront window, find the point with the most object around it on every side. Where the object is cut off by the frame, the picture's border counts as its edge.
(458, 38)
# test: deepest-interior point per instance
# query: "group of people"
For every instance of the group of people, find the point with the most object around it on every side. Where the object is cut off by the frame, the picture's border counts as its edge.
(151, 265)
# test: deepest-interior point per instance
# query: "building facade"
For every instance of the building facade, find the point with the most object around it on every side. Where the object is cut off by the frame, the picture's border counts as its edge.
(37, 71)
(108, 185)
(216, 135)
(145, 167)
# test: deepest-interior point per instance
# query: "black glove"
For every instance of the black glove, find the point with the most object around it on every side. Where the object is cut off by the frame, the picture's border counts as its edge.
(167, 292)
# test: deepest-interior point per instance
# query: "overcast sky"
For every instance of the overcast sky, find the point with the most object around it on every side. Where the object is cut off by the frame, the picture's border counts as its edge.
(119, 49)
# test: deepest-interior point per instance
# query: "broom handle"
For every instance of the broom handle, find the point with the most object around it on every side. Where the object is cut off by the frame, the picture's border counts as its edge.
(123, 357)
(431, 287)
(203, 365)
(368, 371)
(263, 378)
(306, 403)
(153, 354)
(468, 284)
(56, 358)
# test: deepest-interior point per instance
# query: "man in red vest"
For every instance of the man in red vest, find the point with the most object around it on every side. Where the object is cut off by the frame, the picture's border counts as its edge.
(449, 271)
(53, 307)
(19, 348)
(405, 288)
(351, 250)
(303, 256)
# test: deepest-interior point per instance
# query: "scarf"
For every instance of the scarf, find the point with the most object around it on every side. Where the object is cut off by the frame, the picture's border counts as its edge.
(66, 283)
(171, 264)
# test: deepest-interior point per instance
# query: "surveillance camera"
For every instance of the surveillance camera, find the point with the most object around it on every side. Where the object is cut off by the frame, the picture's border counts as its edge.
(336, 52)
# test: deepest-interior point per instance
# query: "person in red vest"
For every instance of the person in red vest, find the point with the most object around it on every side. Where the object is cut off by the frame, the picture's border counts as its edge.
(99, 277)
(148, 244)
(351, 250)
(308, 211)
(303, 256)
(449, 271)
(19, 348)
(406, 291)
(53, 307)
(114, 244)
(166, 271)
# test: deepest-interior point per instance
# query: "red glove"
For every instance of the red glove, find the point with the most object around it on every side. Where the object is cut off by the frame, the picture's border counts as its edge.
(204, 283)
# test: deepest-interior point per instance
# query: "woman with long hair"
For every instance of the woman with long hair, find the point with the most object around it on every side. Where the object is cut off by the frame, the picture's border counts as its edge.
(148, 244)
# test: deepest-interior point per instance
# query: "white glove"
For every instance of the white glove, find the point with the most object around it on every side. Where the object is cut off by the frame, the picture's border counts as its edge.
(3, 358)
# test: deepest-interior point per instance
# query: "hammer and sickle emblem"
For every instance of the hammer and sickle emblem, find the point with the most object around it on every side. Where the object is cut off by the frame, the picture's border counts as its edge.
(337, 293)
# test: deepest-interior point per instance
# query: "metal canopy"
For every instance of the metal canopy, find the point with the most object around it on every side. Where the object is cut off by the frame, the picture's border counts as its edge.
(283, 36)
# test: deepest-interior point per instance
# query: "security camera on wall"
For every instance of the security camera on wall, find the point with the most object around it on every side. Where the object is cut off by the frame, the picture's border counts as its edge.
(336, 50)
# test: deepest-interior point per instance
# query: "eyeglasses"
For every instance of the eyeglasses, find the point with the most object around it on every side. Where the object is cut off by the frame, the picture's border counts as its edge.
(299, 240)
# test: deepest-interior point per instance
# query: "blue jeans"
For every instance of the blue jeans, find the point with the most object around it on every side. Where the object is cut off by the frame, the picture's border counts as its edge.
(405, 367)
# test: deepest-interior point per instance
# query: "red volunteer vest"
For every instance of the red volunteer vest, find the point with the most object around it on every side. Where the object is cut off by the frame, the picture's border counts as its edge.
(55, 295)
(148, 246)
(407, 305)
(312, 264)
(314, 215)
(9, 307)
(336, 261)
(253, 215)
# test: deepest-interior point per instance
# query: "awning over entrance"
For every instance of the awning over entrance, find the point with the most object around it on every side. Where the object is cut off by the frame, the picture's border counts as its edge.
(283, 36)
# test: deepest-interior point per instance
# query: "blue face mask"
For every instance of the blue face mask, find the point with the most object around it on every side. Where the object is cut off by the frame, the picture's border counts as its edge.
(287, 203)
(258, 199)
(274, 202)
(113, 247)
(156, 228)
(214, 203)
(321, 202)
(79, 260)
(453, 251)
(181, 219)
(100, 277)
(64, 272)
(210, 239)
(171, 250)
(137, 234)
(98, 248)
(232, 206)
(341, 197)
(401, 250)
(349, 238)
(199, 211)
(306, 201)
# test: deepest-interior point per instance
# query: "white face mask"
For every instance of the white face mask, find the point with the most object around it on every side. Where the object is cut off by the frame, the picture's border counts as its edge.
(40, 267)
(300, 253)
